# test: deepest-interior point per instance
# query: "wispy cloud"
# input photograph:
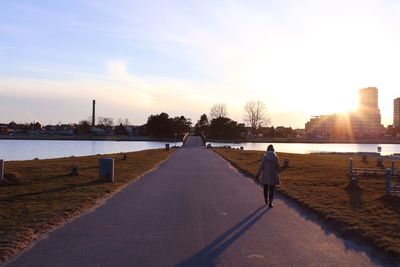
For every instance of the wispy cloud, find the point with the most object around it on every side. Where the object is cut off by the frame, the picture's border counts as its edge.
(296, 56)
(66, 73)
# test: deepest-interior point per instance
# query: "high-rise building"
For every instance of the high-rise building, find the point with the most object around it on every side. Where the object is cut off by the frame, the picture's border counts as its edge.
(365, 122)
(368, 99)
(396, 112)
(368, 118)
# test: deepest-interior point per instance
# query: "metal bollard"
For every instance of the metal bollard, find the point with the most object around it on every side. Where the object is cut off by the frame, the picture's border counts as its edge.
(106, 169)
(166, 147)
(388, 176)
(1, 170)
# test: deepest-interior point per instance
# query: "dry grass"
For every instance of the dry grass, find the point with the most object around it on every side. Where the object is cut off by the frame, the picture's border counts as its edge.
(40, 194)
(318, 182)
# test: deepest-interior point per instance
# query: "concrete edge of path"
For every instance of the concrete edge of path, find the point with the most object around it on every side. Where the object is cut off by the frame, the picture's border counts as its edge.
(327, 226)
(100, 202)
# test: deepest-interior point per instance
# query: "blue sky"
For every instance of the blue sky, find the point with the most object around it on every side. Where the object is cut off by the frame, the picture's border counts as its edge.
(138, 58)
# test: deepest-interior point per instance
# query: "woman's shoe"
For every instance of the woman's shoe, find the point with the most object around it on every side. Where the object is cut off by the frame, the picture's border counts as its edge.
(270, 204)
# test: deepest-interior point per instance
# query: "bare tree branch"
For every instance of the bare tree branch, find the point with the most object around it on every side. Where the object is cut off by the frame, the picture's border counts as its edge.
(255, 114)
(108, 122)
(218, 110)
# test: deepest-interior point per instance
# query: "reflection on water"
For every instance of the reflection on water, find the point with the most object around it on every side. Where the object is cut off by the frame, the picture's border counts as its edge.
(304, 148)
(43, 149)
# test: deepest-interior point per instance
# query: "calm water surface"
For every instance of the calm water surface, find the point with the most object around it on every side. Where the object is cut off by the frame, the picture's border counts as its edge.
(42, 149)
(305, 148)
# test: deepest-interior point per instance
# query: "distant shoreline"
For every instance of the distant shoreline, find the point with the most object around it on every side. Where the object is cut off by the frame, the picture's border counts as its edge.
(233, 141)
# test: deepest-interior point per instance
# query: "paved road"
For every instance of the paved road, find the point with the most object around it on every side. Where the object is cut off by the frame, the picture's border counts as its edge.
(194, 210)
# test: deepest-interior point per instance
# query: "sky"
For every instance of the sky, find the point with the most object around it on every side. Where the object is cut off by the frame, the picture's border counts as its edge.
(136, 58)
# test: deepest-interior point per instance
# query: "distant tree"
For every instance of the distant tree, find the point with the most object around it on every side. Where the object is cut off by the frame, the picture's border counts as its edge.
(225, 128)
(255, 114)
(181, 125)
(124, 122)
(202, 125)
(106, 121)
(161, 125)
(266, 131)
(12, 125)
(83, 127)
(157, 124)
(35, 126)
(121, 129)
(218, 111)
(284, 132)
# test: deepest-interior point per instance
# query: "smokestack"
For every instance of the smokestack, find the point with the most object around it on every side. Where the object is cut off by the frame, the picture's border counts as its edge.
(94, 113)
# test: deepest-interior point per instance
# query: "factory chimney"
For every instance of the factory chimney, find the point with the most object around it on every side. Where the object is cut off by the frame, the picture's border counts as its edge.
(94, 113)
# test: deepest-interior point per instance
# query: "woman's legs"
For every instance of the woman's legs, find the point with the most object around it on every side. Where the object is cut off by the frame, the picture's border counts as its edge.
(271, 194)
(266, 194)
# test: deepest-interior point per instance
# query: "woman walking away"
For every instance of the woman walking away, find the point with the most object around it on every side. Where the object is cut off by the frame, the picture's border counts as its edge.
(269, 167)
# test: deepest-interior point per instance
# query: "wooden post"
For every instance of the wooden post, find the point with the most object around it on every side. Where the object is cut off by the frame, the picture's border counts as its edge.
(1, 170)
(388, 176)
(286, 163)
(379, 162)
(106, 169)
(350, 169)
(166, 147)
(393, 166)
(75, 170)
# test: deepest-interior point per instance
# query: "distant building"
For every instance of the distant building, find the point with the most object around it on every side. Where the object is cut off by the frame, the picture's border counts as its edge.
(365, 122)
(396, 112)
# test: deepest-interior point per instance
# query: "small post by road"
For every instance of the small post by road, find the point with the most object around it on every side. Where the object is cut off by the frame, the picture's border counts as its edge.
(350, 169)
(166, 147)
(388, 176)
(286, 163)
(74, 170)
(379, 162)
(393, 165)
(1, 170)
(106, 169)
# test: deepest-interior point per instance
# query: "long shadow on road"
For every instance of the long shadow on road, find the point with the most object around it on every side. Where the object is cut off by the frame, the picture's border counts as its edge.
(208, 256)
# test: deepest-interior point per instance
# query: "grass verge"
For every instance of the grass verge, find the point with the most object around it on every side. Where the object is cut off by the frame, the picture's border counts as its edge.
(318, 182)
(38, 195)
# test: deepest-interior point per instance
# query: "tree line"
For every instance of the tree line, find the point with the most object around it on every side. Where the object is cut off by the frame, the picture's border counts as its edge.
(217, 125)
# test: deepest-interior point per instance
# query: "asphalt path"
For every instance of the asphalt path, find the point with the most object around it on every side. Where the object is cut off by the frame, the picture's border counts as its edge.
(194, 210)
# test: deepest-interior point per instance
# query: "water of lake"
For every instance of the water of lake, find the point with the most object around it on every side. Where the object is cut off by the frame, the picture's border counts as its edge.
(42, 149)
(305, 148)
